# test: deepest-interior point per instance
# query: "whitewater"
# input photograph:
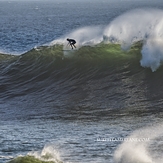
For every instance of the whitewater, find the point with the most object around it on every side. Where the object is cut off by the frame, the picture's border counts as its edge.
(101, 102)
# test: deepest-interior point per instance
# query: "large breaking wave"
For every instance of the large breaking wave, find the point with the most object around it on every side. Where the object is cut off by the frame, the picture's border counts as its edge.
(109, 54)
(137, 25)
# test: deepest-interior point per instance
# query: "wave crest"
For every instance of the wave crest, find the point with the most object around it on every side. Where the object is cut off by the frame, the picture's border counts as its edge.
(144, 25)
(137, 25)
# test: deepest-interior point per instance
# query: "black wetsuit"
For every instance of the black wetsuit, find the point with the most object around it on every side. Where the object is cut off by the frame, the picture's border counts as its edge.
(72, 42)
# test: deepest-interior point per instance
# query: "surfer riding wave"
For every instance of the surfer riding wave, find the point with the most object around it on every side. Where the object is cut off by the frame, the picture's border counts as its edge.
(71, 42)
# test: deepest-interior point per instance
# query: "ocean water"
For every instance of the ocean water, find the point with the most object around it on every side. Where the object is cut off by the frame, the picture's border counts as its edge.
(101, 102)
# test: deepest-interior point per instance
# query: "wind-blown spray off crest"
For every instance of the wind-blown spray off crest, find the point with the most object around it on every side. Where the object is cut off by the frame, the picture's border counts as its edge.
(140, 25)
(83, 36)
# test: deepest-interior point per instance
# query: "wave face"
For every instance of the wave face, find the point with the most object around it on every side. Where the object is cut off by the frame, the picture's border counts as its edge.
(100, 76)
(53, 64)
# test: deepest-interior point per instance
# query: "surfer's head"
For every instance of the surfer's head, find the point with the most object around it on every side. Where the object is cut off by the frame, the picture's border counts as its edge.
(68, 39)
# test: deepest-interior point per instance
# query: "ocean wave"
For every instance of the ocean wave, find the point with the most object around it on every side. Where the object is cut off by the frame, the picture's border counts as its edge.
(51, 58)
(47, 155)
(43, 68)
(116, 52)
(126, 30)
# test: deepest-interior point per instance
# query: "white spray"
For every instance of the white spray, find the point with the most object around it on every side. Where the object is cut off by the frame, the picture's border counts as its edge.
(140, 25)
(136, 148)
(84, 36)
(49, 153)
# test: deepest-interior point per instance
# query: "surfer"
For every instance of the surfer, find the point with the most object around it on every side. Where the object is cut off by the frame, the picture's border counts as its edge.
(71, 42)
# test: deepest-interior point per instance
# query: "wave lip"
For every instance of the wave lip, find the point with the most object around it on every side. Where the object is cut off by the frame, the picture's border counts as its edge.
(152, 54)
